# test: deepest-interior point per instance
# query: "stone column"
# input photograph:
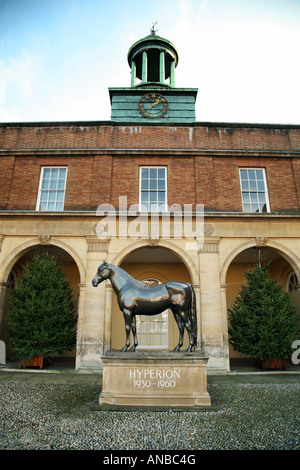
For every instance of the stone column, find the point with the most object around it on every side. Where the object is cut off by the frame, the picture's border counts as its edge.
(108, 315)
(225, 325)
(92, 314)
(3, 289)
(80, 324)
(144, 67)
(133, 73)
(172, 74)
(162, 67)
(199, 317)
(211, 307)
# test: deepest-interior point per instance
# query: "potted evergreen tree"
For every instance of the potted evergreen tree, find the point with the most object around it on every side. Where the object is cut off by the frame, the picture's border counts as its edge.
(262, 320)
(41, 316)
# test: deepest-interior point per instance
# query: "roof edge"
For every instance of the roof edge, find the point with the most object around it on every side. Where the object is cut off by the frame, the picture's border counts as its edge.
(130, 123)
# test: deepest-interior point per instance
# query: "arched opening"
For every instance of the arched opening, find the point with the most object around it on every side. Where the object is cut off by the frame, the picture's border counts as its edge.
(280, 268)
(70, 269)
(153, 330)
(151, 264)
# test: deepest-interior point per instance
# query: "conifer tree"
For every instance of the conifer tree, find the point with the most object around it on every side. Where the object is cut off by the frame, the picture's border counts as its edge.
(41, 316)
(262, 320)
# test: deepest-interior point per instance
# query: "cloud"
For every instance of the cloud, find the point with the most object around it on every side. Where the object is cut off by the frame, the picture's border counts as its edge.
(244, 70)
(240, 56)
(18, 81)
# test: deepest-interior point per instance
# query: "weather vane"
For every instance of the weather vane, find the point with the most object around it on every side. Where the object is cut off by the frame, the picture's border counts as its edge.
(153, 30)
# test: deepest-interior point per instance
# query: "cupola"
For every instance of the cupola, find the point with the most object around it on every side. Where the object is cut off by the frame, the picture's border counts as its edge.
(152, 96)
(152, 61)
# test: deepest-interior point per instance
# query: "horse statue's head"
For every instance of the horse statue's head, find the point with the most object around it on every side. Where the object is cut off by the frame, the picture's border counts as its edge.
(103, 273)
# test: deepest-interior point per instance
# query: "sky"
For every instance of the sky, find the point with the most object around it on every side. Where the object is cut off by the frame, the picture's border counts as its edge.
(59, 57)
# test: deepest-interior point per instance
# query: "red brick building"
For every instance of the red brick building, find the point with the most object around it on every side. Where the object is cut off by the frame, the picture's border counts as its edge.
(203, 162)
(55, 175)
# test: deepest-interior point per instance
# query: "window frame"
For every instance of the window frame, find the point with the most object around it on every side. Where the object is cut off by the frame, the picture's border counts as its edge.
(295, 286)
(256, 191)
(165, 203)
(43, 168)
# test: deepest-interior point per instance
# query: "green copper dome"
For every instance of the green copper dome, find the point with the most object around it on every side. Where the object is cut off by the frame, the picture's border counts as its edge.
(152, 97)
(153, 60)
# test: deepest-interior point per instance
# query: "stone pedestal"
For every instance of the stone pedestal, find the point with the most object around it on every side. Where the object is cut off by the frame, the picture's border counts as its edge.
(154, 378)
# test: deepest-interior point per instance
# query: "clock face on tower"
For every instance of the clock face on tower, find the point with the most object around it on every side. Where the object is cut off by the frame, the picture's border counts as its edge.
(153, 105)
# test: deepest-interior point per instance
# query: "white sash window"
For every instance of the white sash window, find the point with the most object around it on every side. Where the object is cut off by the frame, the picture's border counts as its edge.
(153, 189)
(254, 190)
(52, 188)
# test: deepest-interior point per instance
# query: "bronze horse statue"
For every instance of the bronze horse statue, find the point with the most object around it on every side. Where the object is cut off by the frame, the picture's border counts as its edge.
(137, 298)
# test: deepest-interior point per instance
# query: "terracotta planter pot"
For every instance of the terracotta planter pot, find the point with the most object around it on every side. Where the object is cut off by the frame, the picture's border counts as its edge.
(267, 364)
(35, 361)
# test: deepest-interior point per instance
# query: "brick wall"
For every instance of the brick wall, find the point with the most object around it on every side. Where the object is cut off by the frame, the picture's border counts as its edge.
(196, 172)
(6, 172)
(24, 184)
(108, 135)
(79, 183)
(282, 190)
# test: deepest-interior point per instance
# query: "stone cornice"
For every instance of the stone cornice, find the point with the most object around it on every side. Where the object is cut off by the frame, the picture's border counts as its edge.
(157, 152)
(211, 215)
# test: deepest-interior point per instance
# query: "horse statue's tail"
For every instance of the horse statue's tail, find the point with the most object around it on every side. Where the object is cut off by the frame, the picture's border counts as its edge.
(193, 315)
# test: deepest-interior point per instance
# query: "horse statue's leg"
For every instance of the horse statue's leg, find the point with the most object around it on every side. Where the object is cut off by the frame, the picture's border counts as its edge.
(189, 329)
(180, 325)
(128, 319)
(133, 329)
(183, 321)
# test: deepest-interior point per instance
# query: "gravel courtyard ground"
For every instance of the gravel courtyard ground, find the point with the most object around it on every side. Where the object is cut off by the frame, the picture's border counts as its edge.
(52, 414)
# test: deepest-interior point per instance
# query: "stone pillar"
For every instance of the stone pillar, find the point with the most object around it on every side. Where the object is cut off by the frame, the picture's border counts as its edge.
(107, 315)
(92, 313)
(199, 317)
(133, 73)
(80, 323)
(211, 306)
(172, 74)
(144, 67)
(162, 67)
(3, 289)
(225, 325)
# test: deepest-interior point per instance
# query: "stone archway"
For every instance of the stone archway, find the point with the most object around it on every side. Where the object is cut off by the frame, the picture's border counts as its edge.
(20, 250)
(163, 244)
(282, 250)
(281, 261)
(14, 263)
(144, 261)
